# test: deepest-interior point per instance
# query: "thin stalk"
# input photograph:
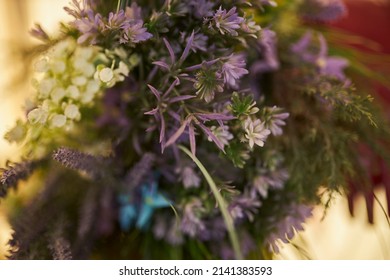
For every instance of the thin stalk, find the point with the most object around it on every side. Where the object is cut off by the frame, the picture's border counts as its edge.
(221, 204)
(118, 6)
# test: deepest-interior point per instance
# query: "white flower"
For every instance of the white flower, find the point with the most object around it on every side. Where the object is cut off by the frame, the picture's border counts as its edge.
(72, 112)
(58, 120)
(57, 94)
(58, 66)
(222, 133)
(45, 87)
(37, 115)
(106, 75)
(255, 132)
(73, 92)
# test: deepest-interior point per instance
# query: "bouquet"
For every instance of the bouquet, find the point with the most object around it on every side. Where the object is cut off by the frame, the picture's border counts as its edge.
(187, 129)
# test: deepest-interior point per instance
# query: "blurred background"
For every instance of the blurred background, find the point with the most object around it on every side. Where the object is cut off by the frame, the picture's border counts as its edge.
(334, 236)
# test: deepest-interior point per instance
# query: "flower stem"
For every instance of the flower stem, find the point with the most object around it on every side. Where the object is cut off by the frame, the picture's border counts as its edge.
(221, 203)
(118, 6)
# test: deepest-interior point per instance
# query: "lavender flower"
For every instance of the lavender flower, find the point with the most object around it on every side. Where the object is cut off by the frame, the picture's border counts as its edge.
(90, 26)
(191, 223)
(285, 229)
(188, 176)
(275, 120)
(269, 180)
(15, 173)
(233, 69)
(244, 207)
(327, 66)
(134, 33)
(268, 50)
(201, 8)
(76, 160)
(324, 10)
(227, 22)
(255, 132)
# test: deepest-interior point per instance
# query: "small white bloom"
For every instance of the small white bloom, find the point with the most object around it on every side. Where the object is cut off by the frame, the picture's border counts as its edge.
(37, 115)
(45, 87)
(72, 112)
(73, 92)
(79, 80)
(58, 66)
(92, 87)
(255, 132)
(57, 94)
(58, 120)
(222, 133)
(106, 75)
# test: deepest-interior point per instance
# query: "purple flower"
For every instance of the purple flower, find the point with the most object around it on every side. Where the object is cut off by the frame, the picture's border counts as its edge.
(244, 206)
(267, 179)
(134, 33)
(324, 10)
(188, 176)
(275, 120)
(327, 65)
(191, 223)
(199, 43)
(227, 22)
(269, 53)
(201, 8)
(90, 26)
(268, 3)
(285, 228)
(233, 69)
(134, 12)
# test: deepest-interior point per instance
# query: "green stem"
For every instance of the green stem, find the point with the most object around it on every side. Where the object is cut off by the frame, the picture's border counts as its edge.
(118, 6)
(221, 203)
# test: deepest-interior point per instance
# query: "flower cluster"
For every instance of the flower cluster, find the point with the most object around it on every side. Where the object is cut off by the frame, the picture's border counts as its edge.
(179, 124)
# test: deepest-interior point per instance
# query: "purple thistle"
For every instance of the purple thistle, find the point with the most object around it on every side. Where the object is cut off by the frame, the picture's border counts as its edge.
(285, 229)
(14, 173)
(227, 22)
(233, 69)
(323, 10)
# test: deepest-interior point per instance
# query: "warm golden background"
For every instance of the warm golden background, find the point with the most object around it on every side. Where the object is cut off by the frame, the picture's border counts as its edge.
(337, 236)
